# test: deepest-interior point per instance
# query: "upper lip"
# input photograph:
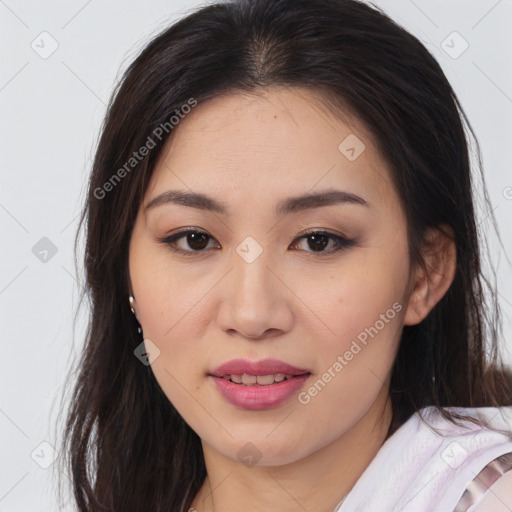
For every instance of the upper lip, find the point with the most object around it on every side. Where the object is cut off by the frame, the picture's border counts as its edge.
(263, 367)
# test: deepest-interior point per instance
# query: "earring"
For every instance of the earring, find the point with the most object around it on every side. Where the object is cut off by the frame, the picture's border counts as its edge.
(132, 300)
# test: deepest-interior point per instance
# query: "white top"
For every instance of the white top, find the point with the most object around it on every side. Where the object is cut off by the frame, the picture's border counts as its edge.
(418, 470)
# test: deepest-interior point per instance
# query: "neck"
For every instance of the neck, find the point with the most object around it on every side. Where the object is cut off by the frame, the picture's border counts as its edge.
(316, 483)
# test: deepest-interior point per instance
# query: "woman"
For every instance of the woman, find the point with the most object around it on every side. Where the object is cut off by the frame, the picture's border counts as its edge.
(288, 307)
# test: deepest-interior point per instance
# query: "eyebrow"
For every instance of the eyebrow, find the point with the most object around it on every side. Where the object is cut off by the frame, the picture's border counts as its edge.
(290, 205)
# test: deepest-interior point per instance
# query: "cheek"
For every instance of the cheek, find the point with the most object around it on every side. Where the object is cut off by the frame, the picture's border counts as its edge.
(362, 304)
(166, 296)
(365, 312)
(360, 294)
(172, 314)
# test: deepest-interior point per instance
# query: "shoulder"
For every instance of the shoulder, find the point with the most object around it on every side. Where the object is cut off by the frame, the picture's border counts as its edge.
(429, 461)
(478, 456)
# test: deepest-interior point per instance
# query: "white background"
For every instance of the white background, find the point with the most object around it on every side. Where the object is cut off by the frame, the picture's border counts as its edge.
(51, 112)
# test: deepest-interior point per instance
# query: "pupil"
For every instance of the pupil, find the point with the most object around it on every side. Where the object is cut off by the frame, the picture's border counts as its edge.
(315, 239)
(193, 242)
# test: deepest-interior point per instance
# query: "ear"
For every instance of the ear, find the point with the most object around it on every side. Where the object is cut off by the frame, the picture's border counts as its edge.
(428, 288)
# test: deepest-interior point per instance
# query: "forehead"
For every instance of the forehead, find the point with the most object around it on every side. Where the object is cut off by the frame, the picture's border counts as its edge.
(268, 142)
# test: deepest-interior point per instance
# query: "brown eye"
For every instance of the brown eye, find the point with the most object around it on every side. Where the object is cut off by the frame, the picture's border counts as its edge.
(193, 241)
(317, 241)
(197, 240)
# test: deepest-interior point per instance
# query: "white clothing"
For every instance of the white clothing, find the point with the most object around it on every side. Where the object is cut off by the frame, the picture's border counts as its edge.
(418, 470)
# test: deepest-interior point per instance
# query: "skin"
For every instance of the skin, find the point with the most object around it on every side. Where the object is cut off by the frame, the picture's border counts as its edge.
(294, 304)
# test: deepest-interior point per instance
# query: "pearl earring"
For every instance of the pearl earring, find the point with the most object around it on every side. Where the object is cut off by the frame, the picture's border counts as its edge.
(132, 300)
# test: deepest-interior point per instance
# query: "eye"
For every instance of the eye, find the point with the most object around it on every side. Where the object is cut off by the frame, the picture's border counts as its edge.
(198, 240)
(318, 240)
(194, 238)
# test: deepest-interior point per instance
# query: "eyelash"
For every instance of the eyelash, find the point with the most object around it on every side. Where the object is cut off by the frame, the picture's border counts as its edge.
(342, 242)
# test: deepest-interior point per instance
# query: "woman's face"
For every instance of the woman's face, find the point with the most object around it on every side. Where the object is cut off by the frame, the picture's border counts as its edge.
(249, 284)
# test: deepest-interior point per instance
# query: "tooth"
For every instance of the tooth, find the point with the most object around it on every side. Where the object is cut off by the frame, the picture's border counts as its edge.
(265, 380)
(262, 380)
(248, 379)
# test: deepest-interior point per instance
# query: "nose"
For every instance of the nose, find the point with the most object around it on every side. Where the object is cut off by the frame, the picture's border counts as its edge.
(254, 336)
(255, 303)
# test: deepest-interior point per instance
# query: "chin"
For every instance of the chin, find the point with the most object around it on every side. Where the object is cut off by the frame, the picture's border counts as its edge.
(261, 449)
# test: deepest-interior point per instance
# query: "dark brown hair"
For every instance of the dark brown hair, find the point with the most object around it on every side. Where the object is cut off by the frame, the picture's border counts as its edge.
(126, 447)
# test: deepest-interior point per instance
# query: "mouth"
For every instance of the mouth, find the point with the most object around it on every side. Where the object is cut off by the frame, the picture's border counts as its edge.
(246, 379)
(258, 385)
(263, 373)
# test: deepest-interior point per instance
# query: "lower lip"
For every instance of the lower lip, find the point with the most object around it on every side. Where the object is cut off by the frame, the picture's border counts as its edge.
(258, 397)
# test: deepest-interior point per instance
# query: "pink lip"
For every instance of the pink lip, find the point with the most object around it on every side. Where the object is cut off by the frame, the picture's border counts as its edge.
(256, 397)
(263, 367)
